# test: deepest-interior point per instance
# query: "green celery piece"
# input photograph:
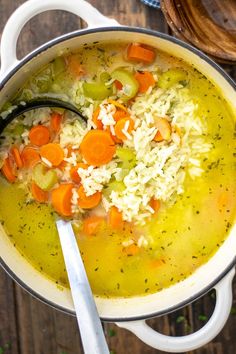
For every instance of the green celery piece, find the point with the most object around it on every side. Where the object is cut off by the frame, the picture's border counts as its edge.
(128, 81)
(45, 179)
(58, 66)
(18, 129)
(104, 77)
(41, 83)
(127, 157)
(116, 186)
(125, 154)
(171, 77)
(96, 90)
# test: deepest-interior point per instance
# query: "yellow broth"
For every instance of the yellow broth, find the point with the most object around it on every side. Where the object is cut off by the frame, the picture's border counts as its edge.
(182, 237)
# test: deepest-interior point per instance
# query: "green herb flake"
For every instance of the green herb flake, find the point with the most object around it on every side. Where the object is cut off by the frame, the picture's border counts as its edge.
(180, 319)
(233, 310)
(111, 333)
(203, 318)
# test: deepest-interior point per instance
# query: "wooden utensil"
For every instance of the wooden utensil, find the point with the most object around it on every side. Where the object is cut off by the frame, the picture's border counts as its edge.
(209, 25)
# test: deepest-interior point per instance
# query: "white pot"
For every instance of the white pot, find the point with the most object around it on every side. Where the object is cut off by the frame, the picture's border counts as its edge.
(127, 313)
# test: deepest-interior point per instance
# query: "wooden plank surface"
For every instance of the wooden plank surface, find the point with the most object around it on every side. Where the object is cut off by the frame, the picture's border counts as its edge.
(29, 327)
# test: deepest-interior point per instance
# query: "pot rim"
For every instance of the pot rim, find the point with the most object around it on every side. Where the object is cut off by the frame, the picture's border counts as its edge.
(164, 36)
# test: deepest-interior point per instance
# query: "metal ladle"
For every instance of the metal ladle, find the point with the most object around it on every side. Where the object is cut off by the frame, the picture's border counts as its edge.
(90, 326)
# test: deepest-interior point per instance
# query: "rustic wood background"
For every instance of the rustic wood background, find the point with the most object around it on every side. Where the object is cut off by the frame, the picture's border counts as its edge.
(26, 325)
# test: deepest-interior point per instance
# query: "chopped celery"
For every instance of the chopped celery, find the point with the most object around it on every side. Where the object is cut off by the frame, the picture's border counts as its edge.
(128, 81)
(127, 156)
(18, 130)
(116, 186)
(58, 66)
(104, 76)
(171, 77)
(42, 84)
(44, 178)
(96, 90)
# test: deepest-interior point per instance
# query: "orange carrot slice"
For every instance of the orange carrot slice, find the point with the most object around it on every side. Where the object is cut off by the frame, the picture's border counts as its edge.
(30, 157)
(145, 80)
(39, 135)
(38, 194)
(118, 85)
(74, 66)
(164, 129)
(115, 218)
(88, 202)
(74, 174)
(120, 126)
(92, 224)
(117, 104)
(61, 199)
(55, 123)
(17, 157)
(119, 114)
(7, 170)
(139, 53)
(156, 263)
(131, 250)
(97, 147)
(155, 204)
(53, 153)
(95, 119)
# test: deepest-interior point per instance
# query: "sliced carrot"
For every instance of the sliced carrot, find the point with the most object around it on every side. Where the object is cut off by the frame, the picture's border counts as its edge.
(131, 250)
(74, 174)
(117, 104)
(145, 80)
(156, 263)
(30, 157)
(74, 66)
(53, 153)
(62, 165)
(88, 202)
(95, 119)
(119, 114)
(97, 147)
(164, 129)
(39, 135)
(139, 53)
(118, 85)
(114, 138)
(115, 218)
(17, 157)
(120, 126)
(155, 204)
(92, 224)
(38, 194)
(55, 123)
(61, 199)
(7, 170)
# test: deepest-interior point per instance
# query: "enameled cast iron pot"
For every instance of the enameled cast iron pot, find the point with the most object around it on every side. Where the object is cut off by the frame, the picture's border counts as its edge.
(127, 313)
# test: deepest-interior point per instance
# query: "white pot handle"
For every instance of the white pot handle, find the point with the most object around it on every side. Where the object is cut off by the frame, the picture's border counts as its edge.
(194, 340)
(34, 7)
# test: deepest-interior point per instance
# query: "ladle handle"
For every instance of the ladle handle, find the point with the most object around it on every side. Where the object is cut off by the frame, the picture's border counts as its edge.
(91, 331)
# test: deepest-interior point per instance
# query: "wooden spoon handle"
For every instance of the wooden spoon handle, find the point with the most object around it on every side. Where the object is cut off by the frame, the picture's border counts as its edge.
(91, 331)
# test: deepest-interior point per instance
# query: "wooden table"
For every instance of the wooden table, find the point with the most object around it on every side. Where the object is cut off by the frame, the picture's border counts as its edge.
(26, 325)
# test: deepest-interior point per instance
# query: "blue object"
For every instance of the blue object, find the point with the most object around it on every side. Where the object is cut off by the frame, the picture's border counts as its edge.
(153, 3)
